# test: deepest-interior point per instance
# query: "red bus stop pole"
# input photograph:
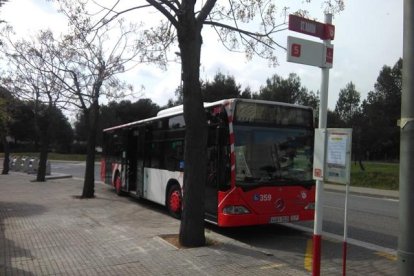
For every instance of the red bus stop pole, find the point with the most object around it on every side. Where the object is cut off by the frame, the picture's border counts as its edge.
(323, 111)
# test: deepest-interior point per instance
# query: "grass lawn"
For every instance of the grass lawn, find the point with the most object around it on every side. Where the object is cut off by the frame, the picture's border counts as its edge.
(55, 156)
(376, 175)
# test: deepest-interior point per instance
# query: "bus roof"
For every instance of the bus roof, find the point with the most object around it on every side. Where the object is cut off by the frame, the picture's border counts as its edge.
(176, 110)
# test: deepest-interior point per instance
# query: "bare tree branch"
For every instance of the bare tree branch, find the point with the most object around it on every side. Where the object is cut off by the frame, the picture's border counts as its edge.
(159, 5)
(205, 11)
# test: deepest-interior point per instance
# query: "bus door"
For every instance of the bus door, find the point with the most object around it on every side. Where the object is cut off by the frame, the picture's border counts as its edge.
(211, 184)
(211, 191)
(140, 157)
(124, 160)
(131, 162)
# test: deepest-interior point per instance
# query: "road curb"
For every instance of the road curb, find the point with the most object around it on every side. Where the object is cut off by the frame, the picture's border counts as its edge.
(50, 177)
(364, 191)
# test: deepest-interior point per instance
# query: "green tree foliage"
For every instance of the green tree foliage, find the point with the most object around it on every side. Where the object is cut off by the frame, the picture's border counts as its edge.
(374, 122)
(333, 120)
(276, 88)
(126, 111)
(222, 87)
(22, 128)
(279, 89)
(247, 93)
(287, 90)
(381, 111)
(116, 113)
(17, 120)
(61, 138)
(348, 104)
(348, 114)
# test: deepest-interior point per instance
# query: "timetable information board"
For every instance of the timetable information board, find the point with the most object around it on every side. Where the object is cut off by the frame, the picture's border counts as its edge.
(332, 156)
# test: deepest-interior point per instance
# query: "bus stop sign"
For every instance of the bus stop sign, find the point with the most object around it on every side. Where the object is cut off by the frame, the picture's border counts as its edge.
(309, 52)
(311, 27)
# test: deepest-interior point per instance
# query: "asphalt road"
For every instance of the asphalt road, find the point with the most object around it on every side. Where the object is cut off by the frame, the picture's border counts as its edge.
(371, 220)
(76, 169)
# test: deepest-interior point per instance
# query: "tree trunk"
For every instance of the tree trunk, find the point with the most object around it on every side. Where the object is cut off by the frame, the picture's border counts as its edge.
(43, 126)
(6, 160)
(91, 118)
(44, 147)
(192, 221)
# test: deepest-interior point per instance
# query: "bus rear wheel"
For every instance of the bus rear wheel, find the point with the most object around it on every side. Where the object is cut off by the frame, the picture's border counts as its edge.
(174, 201)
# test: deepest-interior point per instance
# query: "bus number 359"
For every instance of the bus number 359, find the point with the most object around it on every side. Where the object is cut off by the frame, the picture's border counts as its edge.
(262, 197)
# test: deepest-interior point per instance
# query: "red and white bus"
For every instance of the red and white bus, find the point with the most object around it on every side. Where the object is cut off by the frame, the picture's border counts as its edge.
(259, 157)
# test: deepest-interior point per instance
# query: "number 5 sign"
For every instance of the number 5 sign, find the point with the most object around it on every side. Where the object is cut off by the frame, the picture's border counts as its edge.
(295, 50)
(309, 52)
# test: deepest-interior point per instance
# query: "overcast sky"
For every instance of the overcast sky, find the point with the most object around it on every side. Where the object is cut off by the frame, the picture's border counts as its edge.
(368, 36)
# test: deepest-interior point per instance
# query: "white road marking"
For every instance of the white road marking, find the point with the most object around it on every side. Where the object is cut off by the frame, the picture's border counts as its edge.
(379, 197)
(339, 238)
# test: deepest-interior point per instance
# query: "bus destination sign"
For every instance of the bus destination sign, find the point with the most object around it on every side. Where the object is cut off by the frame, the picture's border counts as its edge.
(311, 27)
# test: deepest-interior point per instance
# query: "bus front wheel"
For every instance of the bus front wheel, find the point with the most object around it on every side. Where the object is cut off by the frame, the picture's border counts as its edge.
(174, 201)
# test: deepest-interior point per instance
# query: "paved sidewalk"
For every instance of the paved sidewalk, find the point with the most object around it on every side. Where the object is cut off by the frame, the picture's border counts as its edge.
(46, 230)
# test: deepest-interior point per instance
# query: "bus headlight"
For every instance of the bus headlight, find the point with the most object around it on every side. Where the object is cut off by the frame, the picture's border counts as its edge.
(235, 210)
(310, 206)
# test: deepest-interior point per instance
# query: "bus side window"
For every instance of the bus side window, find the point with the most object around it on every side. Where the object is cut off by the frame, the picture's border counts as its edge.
(154, 155)
(179, 153)
(170, 156)
(112, 144)
(176, 122)
(173, 155)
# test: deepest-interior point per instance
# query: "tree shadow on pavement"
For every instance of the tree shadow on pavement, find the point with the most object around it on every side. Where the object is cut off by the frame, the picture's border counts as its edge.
(293, 246)
(14, 258)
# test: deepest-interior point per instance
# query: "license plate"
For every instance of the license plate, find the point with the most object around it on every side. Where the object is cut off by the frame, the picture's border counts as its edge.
(294, 218)
(280, 219)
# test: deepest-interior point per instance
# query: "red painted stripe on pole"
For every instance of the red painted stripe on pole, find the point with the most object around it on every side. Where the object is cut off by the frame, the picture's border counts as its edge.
(344, 252)
(316, 265)
(232, 159)
(227, 107)
(232, 138)
(233, 178)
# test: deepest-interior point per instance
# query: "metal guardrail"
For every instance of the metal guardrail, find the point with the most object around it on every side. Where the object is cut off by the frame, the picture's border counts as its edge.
(27, 164)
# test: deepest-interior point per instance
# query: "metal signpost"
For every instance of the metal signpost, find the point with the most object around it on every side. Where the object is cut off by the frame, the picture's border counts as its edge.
(332, 163)
(406, 206)
(320, 55)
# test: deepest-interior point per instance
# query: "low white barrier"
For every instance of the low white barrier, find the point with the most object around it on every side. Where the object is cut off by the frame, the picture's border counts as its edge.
(27, 164)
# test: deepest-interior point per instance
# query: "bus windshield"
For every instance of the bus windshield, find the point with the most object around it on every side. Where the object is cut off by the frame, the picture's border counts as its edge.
(273, 155)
